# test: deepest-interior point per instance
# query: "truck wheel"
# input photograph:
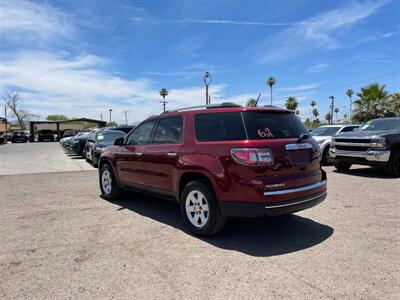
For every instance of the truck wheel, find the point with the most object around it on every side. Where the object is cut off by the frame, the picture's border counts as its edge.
(326, 159)
(342, 166)
(108, 185)
(393, 167)
(199, 208)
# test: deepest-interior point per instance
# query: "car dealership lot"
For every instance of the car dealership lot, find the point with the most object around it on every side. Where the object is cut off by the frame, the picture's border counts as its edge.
(59, 239)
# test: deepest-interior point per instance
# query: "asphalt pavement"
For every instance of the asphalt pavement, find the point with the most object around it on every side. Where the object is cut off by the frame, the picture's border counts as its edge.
(60, 240)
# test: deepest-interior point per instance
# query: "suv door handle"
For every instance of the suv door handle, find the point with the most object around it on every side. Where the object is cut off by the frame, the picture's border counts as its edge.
(172, 154)
(139, 153)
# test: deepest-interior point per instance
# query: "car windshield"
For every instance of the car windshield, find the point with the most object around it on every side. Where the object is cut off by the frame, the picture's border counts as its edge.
(381, 124)
(325, 131)
(108, 137)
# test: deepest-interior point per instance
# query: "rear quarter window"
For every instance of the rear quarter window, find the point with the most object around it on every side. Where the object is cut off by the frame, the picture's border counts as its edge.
(219, 127)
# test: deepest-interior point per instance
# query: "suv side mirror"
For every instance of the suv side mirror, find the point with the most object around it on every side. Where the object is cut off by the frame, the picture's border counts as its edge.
(119, 141)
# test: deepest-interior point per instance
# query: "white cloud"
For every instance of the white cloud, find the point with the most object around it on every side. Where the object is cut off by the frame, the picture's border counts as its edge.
(225, 22)
(317, 68)
(79, 87)
(323, 31)
(29, 20)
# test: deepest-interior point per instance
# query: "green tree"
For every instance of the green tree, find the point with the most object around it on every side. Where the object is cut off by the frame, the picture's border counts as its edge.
(373, 102)
(328, 117)
(164, 93)
(271, 81)
(315, 114)
(313, 104)
(350, 93)
(251, 103)
(56, 118)
(394, 103)
(297, 112)
(336, 110)
(112, 124)
(291, 104)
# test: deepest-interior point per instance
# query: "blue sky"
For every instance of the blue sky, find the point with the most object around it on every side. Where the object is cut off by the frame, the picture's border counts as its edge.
(81, 58)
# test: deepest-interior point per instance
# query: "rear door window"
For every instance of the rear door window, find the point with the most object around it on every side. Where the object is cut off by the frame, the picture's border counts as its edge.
(219, 127)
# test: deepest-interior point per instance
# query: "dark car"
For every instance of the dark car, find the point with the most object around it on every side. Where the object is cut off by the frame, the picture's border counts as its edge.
(126, 129)
(217, 162)
(68, 132)
(99, 140)
(376, 143)
(3, 139)
(19, 137)
(45, 135)
(78, 142)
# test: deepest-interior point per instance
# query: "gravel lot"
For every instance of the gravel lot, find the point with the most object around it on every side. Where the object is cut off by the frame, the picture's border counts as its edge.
(60, 240)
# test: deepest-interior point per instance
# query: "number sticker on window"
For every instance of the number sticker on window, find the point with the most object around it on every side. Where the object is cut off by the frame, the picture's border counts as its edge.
(265, 133)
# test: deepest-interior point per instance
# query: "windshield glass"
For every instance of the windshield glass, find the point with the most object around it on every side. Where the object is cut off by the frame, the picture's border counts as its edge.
(108, 137)
(381, 124)
(325, 131)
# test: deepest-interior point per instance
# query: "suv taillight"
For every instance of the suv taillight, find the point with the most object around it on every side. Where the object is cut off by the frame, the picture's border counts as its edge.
(253, 156)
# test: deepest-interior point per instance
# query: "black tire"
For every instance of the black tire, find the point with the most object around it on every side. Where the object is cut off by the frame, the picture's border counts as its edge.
(342, 166)
(115, 190)
(95, 162)
(393, 167)
(215, 221)
(326, 159)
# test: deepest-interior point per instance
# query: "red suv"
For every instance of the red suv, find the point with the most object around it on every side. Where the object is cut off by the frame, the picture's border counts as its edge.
(219, 161)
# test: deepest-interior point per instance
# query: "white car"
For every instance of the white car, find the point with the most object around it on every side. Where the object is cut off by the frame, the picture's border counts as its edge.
(323, 135)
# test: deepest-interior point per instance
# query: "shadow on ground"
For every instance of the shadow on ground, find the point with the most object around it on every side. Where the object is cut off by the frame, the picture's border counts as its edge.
(257, 237)
(366, 172)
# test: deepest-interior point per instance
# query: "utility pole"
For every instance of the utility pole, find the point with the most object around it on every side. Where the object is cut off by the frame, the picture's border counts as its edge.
(332, 105)
(101, 116)
(126, 117)
(110, 110)
(207, 80)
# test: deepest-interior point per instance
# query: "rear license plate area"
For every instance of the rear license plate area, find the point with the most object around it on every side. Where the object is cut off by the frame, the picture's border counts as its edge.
(299, 154)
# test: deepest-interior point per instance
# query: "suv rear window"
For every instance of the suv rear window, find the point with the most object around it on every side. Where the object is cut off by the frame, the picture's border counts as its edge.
(272, 125)
(259, 125)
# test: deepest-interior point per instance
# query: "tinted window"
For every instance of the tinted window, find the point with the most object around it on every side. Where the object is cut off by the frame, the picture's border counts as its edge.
(381, 124)
(169, 131)
(219, 127)
(272, 125)
(142, 134)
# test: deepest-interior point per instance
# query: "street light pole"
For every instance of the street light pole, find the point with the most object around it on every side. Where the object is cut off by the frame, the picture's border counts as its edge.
(207, 80)
(5, 117)
(126, 117)
(110, 110)
(332, 105)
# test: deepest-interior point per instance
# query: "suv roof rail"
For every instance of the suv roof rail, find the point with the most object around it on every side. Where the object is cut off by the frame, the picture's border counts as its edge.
(209, 106)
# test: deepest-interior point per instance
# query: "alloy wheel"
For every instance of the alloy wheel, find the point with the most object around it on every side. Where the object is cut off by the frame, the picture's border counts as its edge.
(106, 181)
(197, 209)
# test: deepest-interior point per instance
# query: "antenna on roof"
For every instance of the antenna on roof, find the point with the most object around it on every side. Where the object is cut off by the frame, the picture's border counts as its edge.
(258, 98)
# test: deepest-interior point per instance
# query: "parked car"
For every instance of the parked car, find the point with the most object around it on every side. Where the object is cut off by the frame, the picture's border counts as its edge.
(126, 129)
(219, 161)
(68, 133)
(77, 144)
(19, 137)
(8, 136)
(98, 141)
(3, 139)
(323, 136)
(376, 144)
(45, 135)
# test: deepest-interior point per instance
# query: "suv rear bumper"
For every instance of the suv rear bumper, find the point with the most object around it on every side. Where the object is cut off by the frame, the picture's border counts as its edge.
(251, 210)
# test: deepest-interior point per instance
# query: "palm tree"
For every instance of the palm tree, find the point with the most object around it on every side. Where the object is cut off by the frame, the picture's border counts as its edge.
(313, 104)
(395, 103)
(336, 110)
(297, 112)
(315, 114)
(291, 103)
(251, 102)
(372, 103)
(328, 117)
(163, 93)
(350, 93)
(270, 82)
